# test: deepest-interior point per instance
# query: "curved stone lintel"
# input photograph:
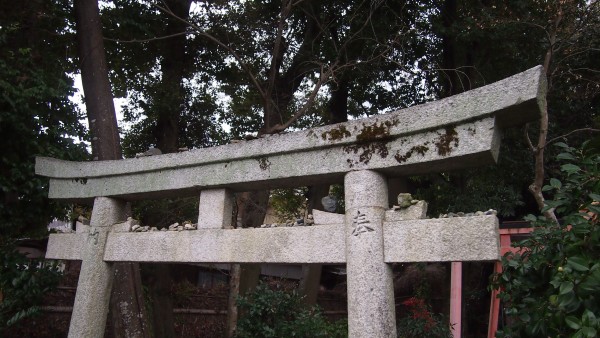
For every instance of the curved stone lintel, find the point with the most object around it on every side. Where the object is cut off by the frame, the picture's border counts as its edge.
(448, 134)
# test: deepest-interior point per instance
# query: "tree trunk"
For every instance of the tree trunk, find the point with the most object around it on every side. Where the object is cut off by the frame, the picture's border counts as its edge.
(310, 281)
(127, 310)
(169, 105)
(450, 77)
(96, 86)
(234, 291)
(159, 289)
(338, 103)
(170, 98)
(128, 315)
(243, 278)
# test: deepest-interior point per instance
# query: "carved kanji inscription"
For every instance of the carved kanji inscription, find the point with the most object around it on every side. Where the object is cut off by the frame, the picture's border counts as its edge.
(360, 223)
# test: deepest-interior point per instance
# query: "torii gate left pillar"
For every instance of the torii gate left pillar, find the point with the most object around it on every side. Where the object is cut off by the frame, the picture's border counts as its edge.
(96, 276)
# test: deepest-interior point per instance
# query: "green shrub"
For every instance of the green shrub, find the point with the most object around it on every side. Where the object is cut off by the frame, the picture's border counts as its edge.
(23, 283)
(552, 288)
(275, 313)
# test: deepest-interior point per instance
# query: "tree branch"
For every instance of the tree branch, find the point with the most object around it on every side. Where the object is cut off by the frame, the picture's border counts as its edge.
(538, 182)
(324, 75)
(527, 139)
(221, 44)
(572, 132)
(146, 40)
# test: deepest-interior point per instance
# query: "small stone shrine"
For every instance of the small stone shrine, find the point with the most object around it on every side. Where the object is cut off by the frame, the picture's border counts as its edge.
(457, 132)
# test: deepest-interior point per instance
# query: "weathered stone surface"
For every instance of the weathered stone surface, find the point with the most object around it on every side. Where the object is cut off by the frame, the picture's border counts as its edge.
(371, 309)
(66, 246)
(81, 227)
(454, 239)
(323, 244)
(416, 211)
(126, 226)
(95, 279)
(441, 149)
(405, 200)
(329, 203)
(322, 217)
(443, 240)
(215, 209)
(448, 134)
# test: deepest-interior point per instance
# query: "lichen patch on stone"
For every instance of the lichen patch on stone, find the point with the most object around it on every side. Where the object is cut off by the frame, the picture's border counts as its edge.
(371, 139)
(419, 149)
(264, 163)
(375, 131)
(367, 150)
(447, 141)
(336, 133)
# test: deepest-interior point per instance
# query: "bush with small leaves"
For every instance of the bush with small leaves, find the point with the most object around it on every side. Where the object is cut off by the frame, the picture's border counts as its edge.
(276, 313)
(552, 287)
(23, 283)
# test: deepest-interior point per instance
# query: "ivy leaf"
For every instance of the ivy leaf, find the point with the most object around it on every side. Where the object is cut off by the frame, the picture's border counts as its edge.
(525, 317)
(573, 322)
(566, 287)
(547, 188)
(565, 156)
(569, 168)
(589, 319)
(595, 197)
(555, 183)
(578, 263)
(589, 331)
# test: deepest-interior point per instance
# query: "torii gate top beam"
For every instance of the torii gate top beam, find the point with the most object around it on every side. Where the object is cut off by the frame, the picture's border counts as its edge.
(451, 133)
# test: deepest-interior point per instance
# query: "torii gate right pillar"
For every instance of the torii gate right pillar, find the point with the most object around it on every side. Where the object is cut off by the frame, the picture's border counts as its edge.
(371, 308)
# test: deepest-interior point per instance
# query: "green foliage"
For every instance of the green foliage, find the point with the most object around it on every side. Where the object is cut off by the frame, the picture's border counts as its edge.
(277, 313)
(36, 116)
(420, 322)
(516, 35)
(552, 288)
(23, 283)
(288, 203)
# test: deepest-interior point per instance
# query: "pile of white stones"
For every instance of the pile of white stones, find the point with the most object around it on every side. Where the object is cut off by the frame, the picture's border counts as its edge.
(306, 221)
(135, 226)
(469, 214)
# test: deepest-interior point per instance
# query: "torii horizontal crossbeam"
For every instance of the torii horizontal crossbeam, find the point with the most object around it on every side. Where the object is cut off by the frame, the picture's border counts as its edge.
(456, 132)
(421, 240)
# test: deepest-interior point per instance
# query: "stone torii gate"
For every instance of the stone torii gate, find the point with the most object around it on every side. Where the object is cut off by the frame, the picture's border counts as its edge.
(457, 132)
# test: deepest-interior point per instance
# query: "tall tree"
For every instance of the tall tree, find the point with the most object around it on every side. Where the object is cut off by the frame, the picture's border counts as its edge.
(127, 305)
(36, 119)
(169, 103)
(96, 86)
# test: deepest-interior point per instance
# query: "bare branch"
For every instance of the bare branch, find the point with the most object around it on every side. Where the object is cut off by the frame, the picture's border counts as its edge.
(527, 139)
(536, 187)
(275, 59)
(572, 132)
(146, 40)
(324, 75)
